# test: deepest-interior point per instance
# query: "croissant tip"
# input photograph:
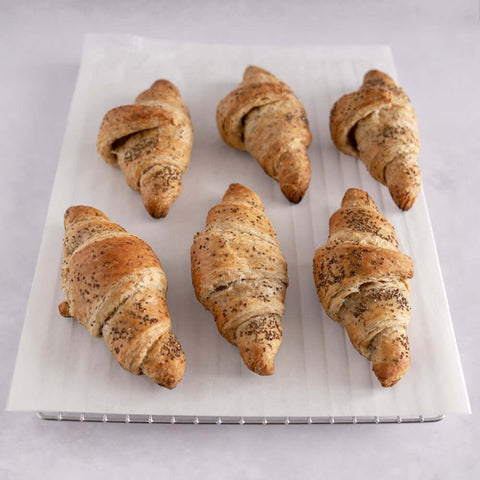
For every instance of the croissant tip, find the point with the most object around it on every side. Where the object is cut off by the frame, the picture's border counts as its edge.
(262, 367)
(389, 373)
(236, 186)
(259, 357)
(254, 69)
(355, 197)
(388, 382)
(64, 309)
(239, 193)
(377, 74)
(158, 211)
(162, 83)
(169, 382)
(266, 370)
(405, 203)
(294, 182)
(294, 193)
(165, 362)
(76, 212)
(168, 378)
(154, 207)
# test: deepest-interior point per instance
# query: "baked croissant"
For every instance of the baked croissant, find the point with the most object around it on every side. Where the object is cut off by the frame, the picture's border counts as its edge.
(240, 276)
(115, 287)
(361, 279)
(151, 142)
(378, 125)
(265, 118)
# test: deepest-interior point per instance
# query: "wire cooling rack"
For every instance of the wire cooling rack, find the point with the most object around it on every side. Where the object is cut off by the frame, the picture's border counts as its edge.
(228, 420)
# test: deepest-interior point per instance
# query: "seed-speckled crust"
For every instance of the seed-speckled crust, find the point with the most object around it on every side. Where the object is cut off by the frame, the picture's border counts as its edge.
(151, 142)
(361, 280)
(115, 287)
(265, 118)
(240, 276)
(378, 125)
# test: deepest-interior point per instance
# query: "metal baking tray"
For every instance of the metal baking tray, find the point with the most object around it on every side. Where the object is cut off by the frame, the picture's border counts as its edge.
(231, 420)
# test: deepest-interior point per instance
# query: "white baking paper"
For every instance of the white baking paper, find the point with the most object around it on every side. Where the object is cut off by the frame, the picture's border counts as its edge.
(60, 367)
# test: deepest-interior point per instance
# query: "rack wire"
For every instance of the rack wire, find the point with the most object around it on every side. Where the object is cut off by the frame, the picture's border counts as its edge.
(234, 420)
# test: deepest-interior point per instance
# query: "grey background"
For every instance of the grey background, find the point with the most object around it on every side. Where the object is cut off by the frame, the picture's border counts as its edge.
(436, 48)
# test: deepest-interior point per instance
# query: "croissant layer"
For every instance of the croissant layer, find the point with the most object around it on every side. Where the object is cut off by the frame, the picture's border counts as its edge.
(115, 287)
(362, 282)
(263, 117)
(151, 142)
(240, 276)
(378, 125)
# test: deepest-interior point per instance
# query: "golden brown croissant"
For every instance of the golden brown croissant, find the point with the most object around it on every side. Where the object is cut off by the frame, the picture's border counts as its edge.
(151, 142)
(240, 276)
(361, 279)
(265, 118)
(377, 124)
(115, 287)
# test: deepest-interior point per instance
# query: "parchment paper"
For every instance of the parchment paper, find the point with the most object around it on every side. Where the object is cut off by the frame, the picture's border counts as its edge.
(60, 367)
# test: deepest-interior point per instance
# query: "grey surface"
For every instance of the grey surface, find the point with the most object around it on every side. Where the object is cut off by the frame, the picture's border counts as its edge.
(436, 47)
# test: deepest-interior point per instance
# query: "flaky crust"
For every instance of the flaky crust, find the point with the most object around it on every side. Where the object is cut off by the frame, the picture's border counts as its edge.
(151, 142)
(240, 276)
(115, 287)
(265, 118)
(361, 280)
(378, 125)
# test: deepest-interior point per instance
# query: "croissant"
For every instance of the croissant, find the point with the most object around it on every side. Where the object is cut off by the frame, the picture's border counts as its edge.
(115, 287)
(361, 280)
(378, 125)
(240, 276)
(151, 142)
(265, 118)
